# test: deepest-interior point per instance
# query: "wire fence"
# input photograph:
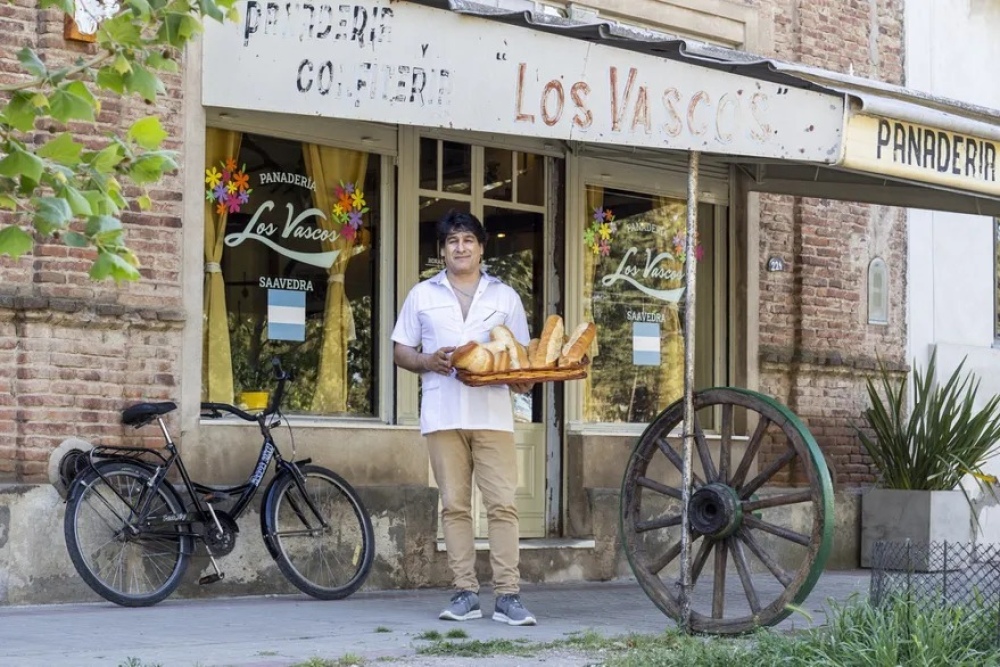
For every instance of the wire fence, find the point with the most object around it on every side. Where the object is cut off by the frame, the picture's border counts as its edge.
(962, 577)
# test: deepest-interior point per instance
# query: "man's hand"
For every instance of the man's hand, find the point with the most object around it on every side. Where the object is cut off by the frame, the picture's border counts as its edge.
(521, 388)
(440, 361)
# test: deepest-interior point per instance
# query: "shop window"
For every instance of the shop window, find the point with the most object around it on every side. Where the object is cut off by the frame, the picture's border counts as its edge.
(878, 292)
(634, 292)
(291, 244)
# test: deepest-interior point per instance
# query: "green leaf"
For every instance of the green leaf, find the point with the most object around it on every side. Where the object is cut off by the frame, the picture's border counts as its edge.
(122, 65)
(158, 61)
(14, 241)
(99, 225)
(145, 203)
(140, 9)
(112, 265)
(20, 112)
(62, 149)
(109, 79)
(106, 159)
(72, 101)
(51, 214)
(78, 203)
(75, 240)
(32, 63)
(147, 132)
(6, 201)
(141, 80)
(120, 30)
(149, 168)
(67, 6)
(178, 28)
(100, 203)
(210, 9)
(22, 164)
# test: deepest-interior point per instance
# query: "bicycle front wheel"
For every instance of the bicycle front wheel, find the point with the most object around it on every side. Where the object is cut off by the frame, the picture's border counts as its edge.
(125, 563)
(328, 561)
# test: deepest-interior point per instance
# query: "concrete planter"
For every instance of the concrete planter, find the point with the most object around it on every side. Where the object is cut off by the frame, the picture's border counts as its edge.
(922, 517)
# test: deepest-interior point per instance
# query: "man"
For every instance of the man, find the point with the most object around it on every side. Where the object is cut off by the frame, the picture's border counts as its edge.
(467, 428)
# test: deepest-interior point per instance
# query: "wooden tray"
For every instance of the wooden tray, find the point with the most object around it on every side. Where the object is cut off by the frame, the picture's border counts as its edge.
(575, 372)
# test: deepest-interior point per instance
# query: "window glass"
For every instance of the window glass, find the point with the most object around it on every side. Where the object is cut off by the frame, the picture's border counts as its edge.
(634, 293)
(299, 246)
(456, 168)
(497, 181)
(530, 179)
(428, 164)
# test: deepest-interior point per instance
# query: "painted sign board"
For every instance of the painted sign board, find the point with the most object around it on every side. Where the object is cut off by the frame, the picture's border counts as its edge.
(920, 153)
(396, 62)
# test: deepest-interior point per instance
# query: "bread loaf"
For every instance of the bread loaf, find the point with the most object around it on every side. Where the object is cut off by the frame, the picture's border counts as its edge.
(501, 361)
(549, 344)
(518, 354)
(495, 346)
(532, 348)
(472, 357)
(578, 344)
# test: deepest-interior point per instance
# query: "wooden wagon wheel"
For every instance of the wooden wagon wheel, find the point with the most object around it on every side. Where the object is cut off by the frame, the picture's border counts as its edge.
(763, 559)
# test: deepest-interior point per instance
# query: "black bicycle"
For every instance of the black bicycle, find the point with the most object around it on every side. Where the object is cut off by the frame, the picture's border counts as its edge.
(130, 534)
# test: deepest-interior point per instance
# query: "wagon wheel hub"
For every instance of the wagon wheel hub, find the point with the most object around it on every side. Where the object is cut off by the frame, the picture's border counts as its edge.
(715, 511)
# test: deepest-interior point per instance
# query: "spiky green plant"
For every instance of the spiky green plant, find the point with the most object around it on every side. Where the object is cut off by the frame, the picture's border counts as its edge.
(940, 440)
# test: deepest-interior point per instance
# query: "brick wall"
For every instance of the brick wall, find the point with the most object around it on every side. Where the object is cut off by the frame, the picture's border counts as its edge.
(816, 345)
(74, 352)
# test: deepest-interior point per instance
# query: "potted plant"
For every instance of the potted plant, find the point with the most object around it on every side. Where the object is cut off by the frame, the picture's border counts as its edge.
(250, 376)
(923, 454)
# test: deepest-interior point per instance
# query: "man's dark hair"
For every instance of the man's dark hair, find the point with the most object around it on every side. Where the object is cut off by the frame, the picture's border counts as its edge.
(459, 221)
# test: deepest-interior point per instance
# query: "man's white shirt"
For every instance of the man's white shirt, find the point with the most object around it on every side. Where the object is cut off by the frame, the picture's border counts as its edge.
(431, 318)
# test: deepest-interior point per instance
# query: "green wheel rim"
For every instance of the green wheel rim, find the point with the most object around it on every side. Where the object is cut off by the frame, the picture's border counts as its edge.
(761, 547)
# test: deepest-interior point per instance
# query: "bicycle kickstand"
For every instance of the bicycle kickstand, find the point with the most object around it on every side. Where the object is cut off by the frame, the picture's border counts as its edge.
(218, 575)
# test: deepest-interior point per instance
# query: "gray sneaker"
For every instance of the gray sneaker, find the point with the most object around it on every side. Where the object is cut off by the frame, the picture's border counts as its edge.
(509, 610)
(464, 607)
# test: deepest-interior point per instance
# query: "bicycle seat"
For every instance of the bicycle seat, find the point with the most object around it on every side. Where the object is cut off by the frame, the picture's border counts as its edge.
(140, 413)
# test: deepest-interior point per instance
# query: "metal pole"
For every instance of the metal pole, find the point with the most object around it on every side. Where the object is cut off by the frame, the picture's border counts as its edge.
(688, 434)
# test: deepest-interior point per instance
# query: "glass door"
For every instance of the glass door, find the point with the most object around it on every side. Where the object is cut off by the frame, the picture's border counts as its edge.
(504, 189)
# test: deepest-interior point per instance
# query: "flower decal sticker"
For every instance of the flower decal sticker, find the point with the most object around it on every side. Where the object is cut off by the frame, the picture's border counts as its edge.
(229, 189)
(350, 206)
(597, 236)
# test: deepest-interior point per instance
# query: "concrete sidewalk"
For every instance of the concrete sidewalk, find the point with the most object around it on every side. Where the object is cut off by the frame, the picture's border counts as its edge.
(279, 631)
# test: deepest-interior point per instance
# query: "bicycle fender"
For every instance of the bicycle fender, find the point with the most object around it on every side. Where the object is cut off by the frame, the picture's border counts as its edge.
(265, 502)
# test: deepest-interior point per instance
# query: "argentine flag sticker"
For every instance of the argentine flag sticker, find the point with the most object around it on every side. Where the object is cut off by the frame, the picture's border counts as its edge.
(646, 343)
(286, 314)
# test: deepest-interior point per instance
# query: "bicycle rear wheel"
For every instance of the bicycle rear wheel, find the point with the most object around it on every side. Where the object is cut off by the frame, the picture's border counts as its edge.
(329, 562)
(132, 568)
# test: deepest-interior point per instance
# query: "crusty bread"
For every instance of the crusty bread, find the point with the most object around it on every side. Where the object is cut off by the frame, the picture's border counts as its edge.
(578, 344)
(549, 343)
(532, 348)
(495, 346)
(502, 334)
(518, 354)
(472, 357)
(501, 361)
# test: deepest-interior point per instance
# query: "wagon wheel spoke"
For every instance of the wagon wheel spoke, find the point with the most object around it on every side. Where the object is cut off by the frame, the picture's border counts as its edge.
(753, 446)
(698, 564)
(780, 531)
(656, 524)
(726, 443)
(704, 453)
(743, 568)
(660, 488)
(765, 558)
(767, 473)
(719, 580)
(724, 511)
(803, 496)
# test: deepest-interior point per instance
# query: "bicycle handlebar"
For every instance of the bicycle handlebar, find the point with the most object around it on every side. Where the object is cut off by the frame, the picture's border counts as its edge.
(281, 375)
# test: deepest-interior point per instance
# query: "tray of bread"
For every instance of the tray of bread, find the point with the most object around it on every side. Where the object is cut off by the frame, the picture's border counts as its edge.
(552, 357)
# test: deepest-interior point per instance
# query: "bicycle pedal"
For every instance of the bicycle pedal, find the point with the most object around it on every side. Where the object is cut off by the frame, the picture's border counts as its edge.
(210, 579)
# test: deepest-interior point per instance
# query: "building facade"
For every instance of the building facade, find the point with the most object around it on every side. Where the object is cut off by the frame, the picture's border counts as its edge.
(321, 142)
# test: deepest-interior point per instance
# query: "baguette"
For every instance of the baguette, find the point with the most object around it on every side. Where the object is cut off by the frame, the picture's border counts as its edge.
(578, 344)
(501, 361)
(549, 344)
(532, 348)
(472, 357)
(518, 354)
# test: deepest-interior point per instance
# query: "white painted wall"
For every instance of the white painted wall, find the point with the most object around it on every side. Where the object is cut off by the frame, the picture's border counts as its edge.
(950, 45)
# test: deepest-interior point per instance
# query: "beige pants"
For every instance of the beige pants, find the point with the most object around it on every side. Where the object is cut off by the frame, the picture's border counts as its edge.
(454, 455)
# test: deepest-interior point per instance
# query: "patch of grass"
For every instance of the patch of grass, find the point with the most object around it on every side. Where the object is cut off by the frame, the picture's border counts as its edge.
(136, 662)
(346, 660)
(478, 648)
(457, 633)
(382, 628)
(267, 653)
(431, 636)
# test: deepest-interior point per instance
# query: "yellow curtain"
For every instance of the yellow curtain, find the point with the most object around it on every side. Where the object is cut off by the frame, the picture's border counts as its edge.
(671, 214)
(327, 167)
(595, 200)
(216, 360)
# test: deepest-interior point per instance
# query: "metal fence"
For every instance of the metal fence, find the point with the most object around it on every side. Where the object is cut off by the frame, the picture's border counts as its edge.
(962, 577)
